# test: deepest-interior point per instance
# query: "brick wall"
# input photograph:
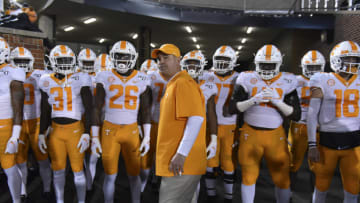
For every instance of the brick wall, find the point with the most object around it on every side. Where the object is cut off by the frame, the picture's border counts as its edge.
(35, 45)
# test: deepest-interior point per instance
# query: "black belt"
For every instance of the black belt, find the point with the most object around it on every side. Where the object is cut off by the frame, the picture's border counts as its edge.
(339, 140)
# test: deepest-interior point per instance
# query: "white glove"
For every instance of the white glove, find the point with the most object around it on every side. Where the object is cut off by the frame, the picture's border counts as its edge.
(13, 142)
(95, 145)
(263, 97)
(211, 149)
(42, 143)
(145, 145)
(84, 142)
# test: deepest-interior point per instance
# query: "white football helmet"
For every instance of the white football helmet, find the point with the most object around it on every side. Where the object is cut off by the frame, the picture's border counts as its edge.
(341, 50)
(62, 59)
(103, 63)
(123, 55)
(4, 51)
(194, 70)
(86, 60)
(149, 65)
(268, 54)
(22, 58)
(313, 61)
(219, 64)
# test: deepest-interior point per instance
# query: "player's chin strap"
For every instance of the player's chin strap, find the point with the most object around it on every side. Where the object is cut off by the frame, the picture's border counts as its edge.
(312, 120)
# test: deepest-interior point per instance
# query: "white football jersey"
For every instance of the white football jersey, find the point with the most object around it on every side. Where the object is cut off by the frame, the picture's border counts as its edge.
(64, 95)
(225, 86)
(158, 86)
(339, 111)
(265, 115)
(208, 89)
(303, 91)
(122, 100)
(32, 99)
(8, 73)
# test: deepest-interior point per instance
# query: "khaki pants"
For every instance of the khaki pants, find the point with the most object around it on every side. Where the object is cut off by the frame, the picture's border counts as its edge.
(179, 189)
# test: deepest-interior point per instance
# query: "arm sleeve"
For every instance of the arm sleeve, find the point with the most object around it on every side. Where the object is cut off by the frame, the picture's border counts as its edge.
(312, 120)
(193, 126)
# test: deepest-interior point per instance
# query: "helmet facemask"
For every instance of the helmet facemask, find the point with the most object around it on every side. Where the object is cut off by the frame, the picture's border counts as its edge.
(123, 62)
(193, 67)
(267, 70)
(350, 64)
(310, 69)
(222, 64)
(23, 63)
(87, 66)
(64, 65)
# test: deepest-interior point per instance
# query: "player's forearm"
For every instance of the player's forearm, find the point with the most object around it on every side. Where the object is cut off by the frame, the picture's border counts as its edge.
(17, 101)
(191, 132)
(312, 120)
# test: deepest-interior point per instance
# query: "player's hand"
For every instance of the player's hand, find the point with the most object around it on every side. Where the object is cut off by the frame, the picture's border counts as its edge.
(264, 96)
(314, 154)
(84, 142)
(211, 149)
(96, 146)
(42, 143)
(145, 146)
(177, 164)
(12, 145)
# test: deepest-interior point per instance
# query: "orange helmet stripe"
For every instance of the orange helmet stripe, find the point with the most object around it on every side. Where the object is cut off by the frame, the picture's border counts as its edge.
(21, 51)
(313, 55)
(87, 53)
(103, 60)
(222, 49)
(268, 52)
(148, 64)
(123, 45)
(192, 54)
(63, 49)
(353, 46)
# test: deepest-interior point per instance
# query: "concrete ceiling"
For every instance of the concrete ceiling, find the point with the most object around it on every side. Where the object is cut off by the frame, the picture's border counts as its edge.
(115, 25)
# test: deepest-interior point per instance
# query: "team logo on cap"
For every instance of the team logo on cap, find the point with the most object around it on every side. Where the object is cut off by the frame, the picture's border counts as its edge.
(253, 81)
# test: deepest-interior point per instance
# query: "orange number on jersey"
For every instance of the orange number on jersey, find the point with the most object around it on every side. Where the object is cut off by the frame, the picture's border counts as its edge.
(229, 86)
(60, 98)
(279, 91)
(161, 89)
(339, 104)
(130, 101)
(305, 96)
(30, 88)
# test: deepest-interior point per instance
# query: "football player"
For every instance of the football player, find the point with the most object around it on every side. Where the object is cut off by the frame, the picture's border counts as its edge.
(86, 62)
(158, 86)
(224, 61)
(149, 66)
(11, 116)
(103, 62)
(194, 63)
(65, 94)
(265, 96)
(124, 91)
(312, 62)
(22, 58)
(334, 106)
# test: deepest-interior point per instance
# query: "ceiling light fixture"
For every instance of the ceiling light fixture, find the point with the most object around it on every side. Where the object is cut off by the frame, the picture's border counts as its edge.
(101, 40)
(69, 28)
(249, 30)
(135, 36)
(152, 45)
(188, 29)
(194, 39)
(243, 40)
(240, 47)
(90, 20)
(198, 46)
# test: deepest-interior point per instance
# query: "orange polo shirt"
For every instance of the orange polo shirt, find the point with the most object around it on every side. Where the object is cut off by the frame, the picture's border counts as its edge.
(183, 98)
